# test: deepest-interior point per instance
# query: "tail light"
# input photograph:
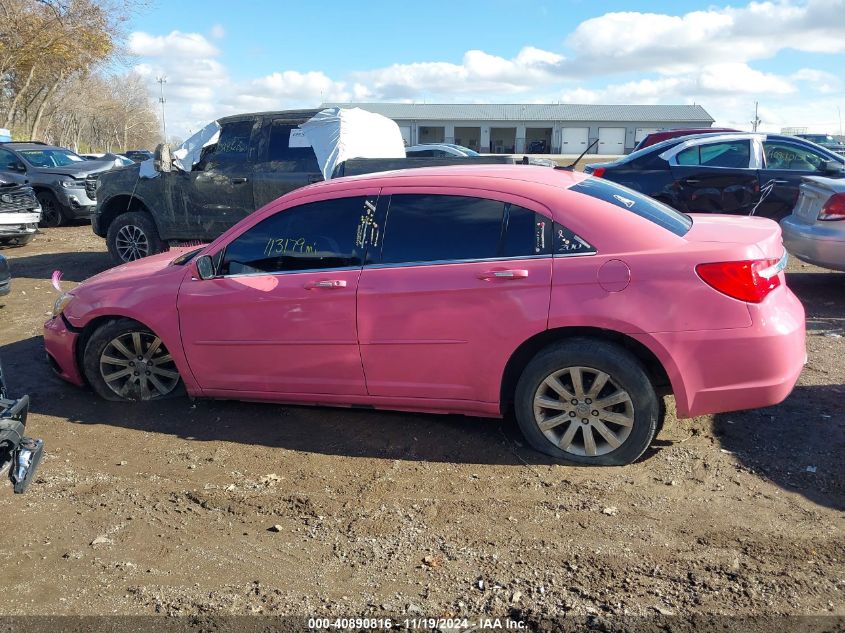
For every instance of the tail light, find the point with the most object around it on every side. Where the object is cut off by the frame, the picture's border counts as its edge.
(834, 208)
(748, 280)
(598, 172)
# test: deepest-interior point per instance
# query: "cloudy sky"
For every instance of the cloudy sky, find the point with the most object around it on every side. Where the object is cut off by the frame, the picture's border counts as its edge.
(222, 57)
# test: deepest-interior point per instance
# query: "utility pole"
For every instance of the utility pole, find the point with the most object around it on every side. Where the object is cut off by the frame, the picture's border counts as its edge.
(161, 81)
(756, 120)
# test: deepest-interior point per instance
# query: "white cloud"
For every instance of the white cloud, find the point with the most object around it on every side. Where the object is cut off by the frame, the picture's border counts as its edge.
(176, 43)
(707, 57)
(618, 42)
(479, 72)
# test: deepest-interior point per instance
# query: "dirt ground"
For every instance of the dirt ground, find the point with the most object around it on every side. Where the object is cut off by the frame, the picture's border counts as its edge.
(170, 508)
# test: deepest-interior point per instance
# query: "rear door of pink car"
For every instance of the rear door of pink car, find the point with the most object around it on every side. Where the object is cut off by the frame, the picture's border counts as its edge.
(280, 315)
(461, 281)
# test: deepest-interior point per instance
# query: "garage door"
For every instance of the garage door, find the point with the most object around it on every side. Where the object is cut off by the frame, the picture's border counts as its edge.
(611, 140)
(574, 140)
(405, 130)
(642, 132)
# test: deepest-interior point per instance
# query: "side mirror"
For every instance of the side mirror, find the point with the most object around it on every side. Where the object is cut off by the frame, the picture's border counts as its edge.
(205, 267)
(162, 159)
(833, 167)
(17, 166)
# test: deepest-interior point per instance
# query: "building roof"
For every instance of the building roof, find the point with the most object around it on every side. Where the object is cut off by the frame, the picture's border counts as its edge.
(533, 112)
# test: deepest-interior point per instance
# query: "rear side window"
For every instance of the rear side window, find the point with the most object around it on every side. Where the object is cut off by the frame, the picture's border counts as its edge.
(636, 203)
(289, 145)
(308, 237)
(735, 154)
(526, 233)
(428, 228)
(432, 228)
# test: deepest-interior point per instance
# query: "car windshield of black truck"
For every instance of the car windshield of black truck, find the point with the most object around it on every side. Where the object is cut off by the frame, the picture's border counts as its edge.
(635, 202)
(51, 157)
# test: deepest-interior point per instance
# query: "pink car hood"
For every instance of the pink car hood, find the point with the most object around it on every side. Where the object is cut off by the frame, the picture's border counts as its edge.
(137, 271)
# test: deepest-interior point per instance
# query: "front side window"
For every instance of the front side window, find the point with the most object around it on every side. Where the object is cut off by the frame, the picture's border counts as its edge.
(233, 144)
(7, 159)
(731, 154)
(312, 236)
(781, 155)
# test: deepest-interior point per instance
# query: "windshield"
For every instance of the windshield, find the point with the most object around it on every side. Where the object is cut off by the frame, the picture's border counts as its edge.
(50, 157)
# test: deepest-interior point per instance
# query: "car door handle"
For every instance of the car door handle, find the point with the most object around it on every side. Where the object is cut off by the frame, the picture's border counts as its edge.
(326, 283)
(504, 274)
(239, 181)
(692, 181)
(781, 182)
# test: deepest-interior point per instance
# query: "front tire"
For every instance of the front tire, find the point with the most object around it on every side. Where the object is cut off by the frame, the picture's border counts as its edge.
(52, 214)
(124, 360)
(587, 402)
(132, 236)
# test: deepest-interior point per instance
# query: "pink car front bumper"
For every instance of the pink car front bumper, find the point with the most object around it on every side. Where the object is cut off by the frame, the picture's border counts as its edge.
(735, 369)
(60, 344)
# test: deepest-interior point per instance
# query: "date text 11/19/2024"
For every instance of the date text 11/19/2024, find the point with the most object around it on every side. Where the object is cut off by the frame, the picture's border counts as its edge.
(416, 623)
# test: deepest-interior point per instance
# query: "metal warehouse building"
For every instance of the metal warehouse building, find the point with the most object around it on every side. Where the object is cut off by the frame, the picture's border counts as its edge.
(535, 128)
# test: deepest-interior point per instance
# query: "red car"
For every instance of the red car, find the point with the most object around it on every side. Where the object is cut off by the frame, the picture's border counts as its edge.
(665, 135)
(571, 300)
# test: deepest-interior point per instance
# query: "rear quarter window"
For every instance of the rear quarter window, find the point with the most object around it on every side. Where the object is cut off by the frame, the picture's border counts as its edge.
(636, 203)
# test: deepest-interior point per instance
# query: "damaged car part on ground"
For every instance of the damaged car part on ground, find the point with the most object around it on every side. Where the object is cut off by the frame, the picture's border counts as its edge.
(479, 290)
(239, 164)
(19, 455)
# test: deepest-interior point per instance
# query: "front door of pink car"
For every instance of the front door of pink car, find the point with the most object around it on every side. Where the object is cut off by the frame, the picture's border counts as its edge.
(279, 317)
(462, 280)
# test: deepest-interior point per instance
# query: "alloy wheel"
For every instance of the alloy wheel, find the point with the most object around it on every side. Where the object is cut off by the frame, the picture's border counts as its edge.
(137, 366)
(583, 411)
(132, 243)
(50, 214)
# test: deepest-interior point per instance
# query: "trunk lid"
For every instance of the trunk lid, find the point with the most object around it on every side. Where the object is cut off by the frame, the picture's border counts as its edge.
(763, 233)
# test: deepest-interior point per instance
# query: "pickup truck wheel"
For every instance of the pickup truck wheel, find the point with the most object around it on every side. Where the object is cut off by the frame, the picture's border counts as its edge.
(132, 236)
(124, 360)
(587, 402)
(51, 210)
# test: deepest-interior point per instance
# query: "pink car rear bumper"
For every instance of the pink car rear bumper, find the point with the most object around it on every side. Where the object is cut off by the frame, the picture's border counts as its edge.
(60, 344)
(735, 369)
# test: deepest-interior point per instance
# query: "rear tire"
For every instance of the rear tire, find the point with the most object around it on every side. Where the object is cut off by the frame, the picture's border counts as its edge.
(123, 360)
(52, 214)
(588, 402)
(132, 236)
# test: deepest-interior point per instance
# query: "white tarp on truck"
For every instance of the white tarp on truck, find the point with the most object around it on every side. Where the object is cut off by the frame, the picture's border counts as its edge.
(335, 134)
(338, 134)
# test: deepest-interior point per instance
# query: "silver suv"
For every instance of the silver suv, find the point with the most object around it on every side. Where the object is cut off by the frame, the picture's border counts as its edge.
(57, 175)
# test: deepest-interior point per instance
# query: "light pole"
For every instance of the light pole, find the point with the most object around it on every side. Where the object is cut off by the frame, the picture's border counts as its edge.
(756, 120)
(161, 81)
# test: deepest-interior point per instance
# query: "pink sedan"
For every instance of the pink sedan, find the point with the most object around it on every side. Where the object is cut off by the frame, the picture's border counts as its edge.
(572, 301)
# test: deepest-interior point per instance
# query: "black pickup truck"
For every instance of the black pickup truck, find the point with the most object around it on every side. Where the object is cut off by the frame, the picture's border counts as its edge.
(251, 164)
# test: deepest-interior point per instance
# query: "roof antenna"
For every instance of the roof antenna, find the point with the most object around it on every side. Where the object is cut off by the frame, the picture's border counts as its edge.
(571, 166)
